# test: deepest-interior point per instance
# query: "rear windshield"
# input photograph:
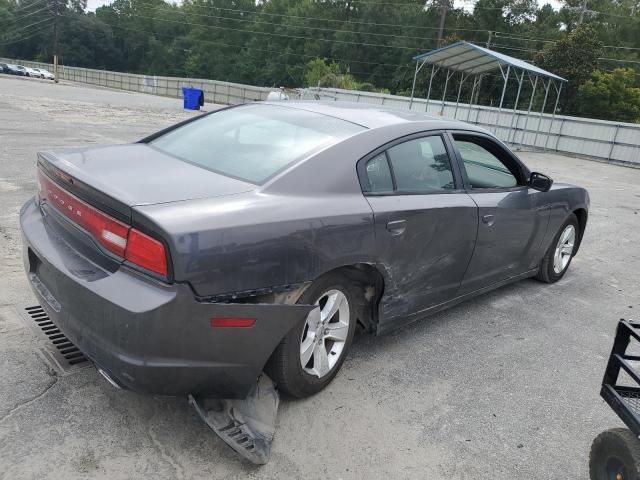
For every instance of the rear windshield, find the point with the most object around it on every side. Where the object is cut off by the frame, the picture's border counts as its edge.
(253, 142)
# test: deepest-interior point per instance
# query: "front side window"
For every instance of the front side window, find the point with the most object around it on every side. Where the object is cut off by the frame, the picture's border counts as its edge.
(253, 142)
(486, 166)
(421, 165)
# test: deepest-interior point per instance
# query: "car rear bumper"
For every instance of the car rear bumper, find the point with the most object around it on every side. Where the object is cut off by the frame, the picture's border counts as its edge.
(145, 335)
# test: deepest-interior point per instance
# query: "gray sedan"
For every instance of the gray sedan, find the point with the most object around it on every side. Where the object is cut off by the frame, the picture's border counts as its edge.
(259, 236)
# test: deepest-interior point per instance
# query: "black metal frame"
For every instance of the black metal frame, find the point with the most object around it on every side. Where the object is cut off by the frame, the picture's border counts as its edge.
(614, 394)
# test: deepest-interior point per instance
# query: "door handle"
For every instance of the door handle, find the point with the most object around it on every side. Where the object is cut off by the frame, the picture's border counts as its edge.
(397, 227)
(488, 219)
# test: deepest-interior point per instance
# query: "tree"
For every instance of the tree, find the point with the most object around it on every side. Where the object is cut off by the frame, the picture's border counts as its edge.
(611, 96)
(318, 72)
(355, 43)
(573, 58)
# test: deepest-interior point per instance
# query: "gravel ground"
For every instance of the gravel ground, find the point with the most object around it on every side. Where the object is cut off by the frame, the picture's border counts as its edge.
(504, 386)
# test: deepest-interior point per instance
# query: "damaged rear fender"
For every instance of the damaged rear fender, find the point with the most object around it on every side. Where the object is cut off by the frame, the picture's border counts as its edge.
(245, 349)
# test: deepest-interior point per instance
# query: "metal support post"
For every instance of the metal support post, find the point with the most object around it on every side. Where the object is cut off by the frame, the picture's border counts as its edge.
(526, 121)
(547, 87)
(553, 116)
(473, 91)
(463, 77)
(444, 92)
(504, 90)
(515, 106)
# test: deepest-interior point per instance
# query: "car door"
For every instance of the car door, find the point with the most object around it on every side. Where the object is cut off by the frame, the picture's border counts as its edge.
(425, 223)
(512, 217)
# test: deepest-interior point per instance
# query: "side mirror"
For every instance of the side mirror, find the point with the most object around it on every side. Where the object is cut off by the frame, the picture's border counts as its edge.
(539, 181)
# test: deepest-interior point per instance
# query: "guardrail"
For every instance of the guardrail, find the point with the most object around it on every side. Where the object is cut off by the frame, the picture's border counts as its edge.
(599, 139)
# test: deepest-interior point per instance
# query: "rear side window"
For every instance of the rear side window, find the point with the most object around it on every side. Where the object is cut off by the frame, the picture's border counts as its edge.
(421, 165)
(254, 142)
(379, 175)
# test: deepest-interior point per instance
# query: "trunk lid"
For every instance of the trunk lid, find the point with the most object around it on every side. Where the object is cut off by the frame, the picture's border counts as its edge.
(138, 174)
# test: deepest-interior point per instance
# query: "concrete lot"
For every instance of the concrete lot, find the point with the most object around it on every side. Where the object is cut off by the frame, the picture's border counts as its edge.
(503, 387)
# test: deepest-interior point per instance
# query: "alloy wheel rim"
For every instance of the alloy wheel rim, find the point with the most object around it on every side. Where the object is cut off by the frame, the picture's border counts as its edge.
(325, 334)
(564, 249)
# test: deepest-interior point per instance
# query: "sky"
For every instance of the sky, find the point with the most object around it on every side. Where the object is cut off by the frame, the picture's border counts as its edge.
(93, 4)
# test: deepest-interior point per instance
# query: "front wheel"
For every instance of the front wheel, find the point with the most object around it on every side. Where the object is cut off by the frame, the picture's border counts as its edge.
(557, 259)
(615, 455)
(310, 355)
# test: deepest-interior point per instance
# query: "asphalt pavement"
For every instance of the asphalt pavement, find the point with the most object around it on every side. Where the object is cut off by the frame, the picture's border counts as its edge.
(505, 386)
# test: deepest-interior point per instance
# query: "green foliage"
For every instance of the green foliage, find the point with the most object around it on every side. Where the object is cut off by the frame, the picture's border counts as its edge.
(611, 96)
(318, 72)
(367, 45)
(574, 58)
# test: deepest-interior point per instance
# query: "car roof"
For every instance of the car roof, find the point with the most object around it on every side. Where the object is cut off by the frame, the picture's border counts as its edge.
(373, 116)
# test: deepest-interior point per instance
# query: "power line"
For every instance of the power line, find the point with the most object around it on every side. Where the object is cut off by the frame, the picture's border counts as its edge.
(24, 7)
(479, 7)
(306, 27)
(299, 37)
(520, 37)
(419, 5)
(26, 15)
(18, 40)
(350, 22)
(621, 48)
(534, 39)
(280, 52)
(619, 60)
(32, 34)
(507, 47)
(36, 23)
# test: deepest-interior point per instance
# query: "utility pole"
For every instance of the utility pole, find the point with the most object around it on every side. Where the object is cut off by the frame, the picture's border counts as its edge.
(55, 41)
(583, 9)
(443, 16)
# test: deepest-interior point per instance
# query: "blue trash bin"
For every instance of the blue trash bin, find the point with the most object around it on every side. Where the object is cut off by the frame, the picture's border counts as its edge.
(193, 98)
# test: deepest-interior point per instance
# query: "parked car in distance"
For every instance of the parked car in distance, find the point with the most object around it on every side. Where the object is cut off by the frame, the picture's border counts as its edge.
(257, 237)
(14, 70)
(32, 72)
(4, 68)
(23, 70)
(43, 73)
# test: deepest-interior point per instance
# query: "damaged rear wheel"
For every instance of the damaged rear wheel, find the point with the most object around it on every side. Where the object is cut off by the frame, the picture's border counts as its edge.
(311, 354)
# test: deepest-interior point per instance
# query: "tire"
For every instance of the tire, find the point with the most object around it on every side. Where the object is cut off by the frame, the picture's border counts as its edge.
(615, 454)
(547, 271)
(285, 365)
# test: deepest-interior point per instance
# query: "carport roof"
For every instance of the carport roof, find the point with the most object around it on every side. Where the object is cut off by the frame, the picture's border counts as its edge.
(470, 58)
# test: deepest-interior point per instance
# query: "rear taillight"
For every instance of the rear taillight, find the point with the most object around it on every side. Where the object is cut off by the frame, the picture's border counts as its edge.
(109, 232)
(114, 235)
(146, 252)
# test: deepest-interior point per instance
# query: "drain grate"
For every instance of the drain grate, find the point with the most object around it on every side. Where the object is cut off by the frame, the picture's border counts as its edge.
(58, 349)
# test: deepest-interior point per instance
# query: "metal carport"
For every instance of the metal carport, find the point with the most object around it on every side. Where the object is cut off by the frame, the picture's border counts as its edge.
(471, 60)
